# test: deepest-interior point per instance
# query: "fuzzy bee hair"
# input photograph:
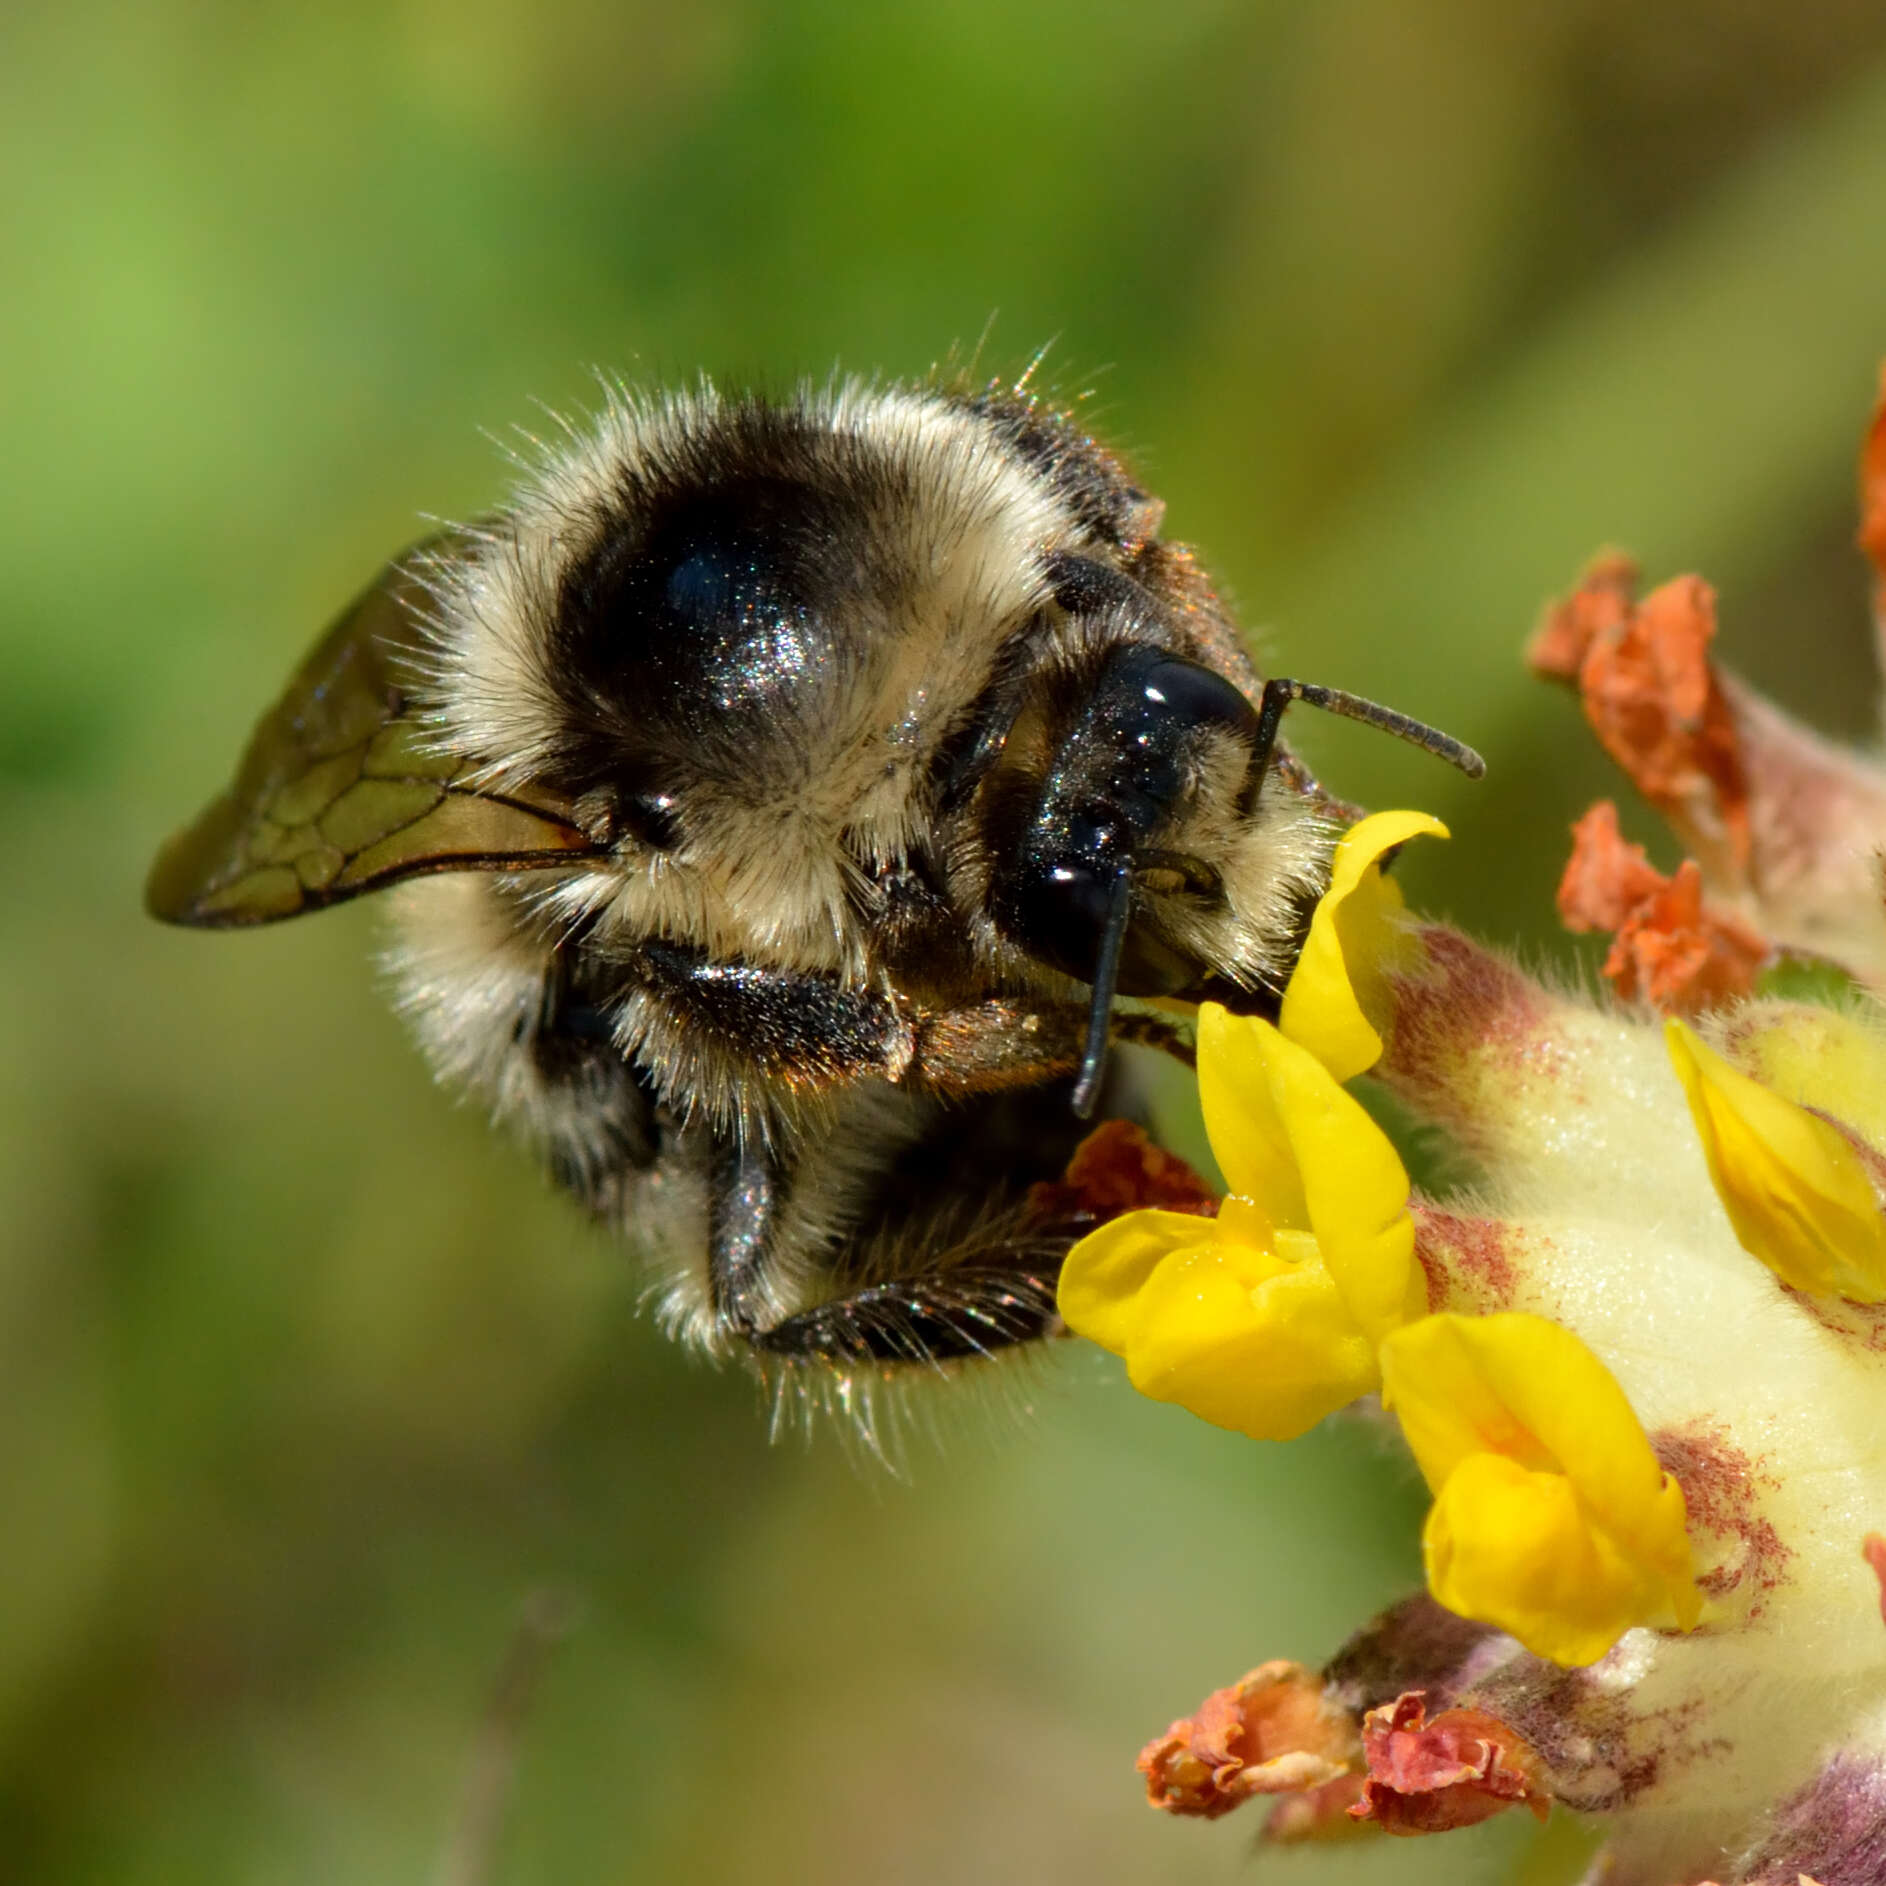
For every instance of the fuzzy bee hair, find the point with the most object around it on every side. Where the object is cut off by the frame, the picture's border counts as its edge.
(777, 793)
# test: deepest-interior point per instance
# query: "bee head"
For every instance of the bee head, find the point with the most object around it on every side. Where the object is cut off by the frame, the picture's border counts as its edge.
(1160, 746)
(1135, 848)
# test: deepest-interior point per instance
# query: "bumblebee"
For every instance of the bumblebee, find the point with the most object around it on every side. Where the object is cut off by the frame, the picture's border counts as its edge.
(783, 801)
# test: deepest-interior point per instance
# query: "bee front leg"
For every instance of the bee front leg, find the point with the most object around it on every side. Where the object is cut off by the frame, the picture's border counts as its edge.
(1001, 1044)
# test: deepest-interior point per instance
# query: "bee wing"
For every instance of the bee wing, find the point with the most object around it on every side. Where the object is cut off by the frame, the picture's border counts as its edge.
(339, 792)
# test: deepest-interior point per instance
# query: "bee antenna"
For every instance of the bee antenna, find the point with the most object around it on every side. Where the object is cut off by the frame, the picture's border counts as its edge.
(1278, 694)
(1106, 980)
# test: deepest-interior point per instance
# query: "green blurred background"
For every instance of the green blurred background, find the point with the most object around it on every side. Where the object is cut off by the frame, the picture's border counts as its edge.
(307, 1385)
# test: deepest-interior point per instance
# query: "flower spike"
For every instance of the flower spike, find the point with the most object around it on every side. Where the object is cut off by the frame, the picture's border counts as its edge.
(1656, 1555)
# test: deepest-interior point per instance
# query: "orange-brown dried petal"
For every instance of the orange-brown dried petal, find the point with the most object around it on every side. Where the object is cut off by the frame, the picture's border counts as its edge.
(1272, 1732)
(1671, 948)
(1430, 1777)
(1601, 602)
(1116, 1169)
(1606, 877)
(1871, 536)
(1656, 704)
(1675, 953)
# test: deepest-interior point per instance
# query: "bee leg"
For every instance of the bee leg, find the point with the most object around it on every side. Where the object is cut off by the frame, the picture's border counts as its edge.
(963, 1300)
(746, 1203)
(595, 1110)
(805, 1031)
(958, 1312)
(954, 1251)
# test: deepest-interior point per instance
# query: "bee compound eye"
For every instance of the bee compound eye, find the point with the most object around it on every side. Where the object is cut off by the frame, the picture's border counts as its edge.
(1139, 737)
(1180, 694)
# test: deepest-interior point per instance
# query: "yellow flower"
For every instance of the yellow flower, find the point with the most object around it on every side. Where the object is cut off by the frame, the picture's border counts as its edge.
(1267, 1317)
(1795, 1190)
(1552, 1519)
(1337, 996)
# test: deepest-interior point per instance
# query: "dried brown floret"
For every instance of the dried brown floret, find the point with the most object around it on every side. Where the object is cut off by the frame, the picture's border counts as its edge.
(1429, 1777)
(1658, 706)
(1786, 828)
(1672, 948)
(1871, 536)
(1118, 1168)
(1274, 1731)
(1600, 605)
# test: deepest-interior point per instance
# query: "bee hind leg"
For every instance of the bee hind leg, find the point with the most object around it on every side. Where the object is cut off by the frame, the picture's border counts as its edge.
(957, 1313)
(950, 1252)
(926, 1289)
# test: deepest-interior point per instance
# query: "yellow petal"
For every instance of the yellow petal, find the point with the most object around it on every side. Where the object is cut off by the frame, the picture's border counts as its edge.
(1827, 1058)
(1336, 1004)
(1247, 1132)
(1105, 1272)
(1525, 1387)
(1513, 1548)
(1228, 1317)
(1795, 1190)
(1267, 1318)
(1248, 1341)
(1528, 1393)
(1288, 1136)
